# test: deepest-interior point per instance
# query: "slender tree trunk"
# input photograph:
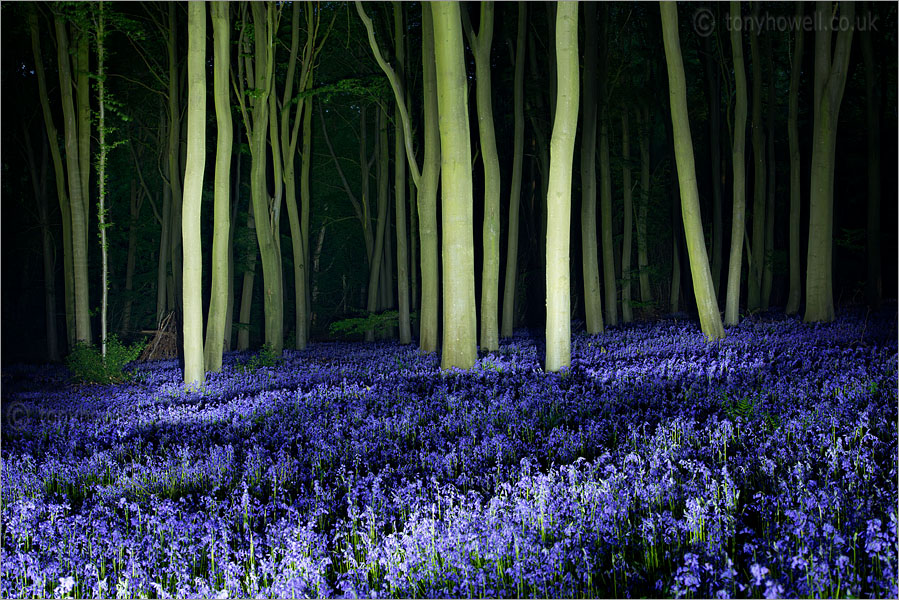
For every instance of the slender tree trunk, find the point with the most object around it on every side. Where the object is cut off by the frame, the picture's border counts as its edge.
(874, 282)
(481, 44)
(399, 204)
(768, 256)
(246, 290)
(135, 206)
(48, 251)
(511, 276)
(459, 320)
(830, 81)
(713, 79)
(194, 372)
(306, 201)
(81, 68)
(374, 273)
(709, 317)
(219, 299)
(235, 202)
(738, 222)
(795, 293)
(64, 209)
(643, 209)
(558, 282)
(674, 291)
(605, 200)
(77, 202)
(627, 314)
(427, 192)
(753, 298)
(162, 265)
(590, 262)
(174, 160)
(101, 174)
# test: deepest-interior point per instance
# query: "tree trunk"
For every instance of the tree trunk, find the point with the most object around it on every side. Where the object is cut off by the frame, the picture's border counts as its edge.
(713, 79)
(194, 372)
(626, 311)
(795, 292)
(174, 162)
(874, 282)
(246, 290)
(643, 209)
(77, 201)
(768, 256)
(135, 206)
(235, 202)
(162, 265)
(830, 81)
(590, 262)
(374, 271)
(219, 299)
(738, 223)
(511, 275)
(101, 174)
(753, 298)
(459, 309)
(608, 250)
(399, 204)
(558, 202)
(58, 170)
(481, 44)
(709, 317)
(427, 192)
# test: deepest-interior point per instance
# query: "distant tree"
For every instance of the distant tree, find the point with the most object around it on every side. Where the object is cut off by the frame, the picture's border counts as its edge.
(757, 247)
(558, 201)
(459, 316)
(874, 281)
(626, 312)
(605, 176)
(194, 372)
(709, 317)
(830, 81)
(795, 291)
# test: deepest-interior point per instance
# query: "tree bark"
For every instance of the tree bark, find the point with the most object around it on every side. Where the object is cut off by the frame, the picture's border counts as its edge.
(753, 297)
(399, 203)
(627, 314)
(738, 222)
(795, 291)
(374, 271)
(459, 318)
(558, 283)
(194, 372)
(768, 256)
(709, 317)
(713, 79)
(643, 208)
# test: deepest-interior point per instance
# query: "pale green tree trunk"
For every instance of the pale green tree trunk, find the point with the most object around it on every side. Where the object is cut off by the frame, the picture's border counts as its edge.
(162, 264)
(511, 276)
(459, 317)
(709, 317)
(795, 291)
(246, 290)
(757, 249)
(643, 209)
(174, 157)
(101, 173)
(481, 44)
(427, 192)
(558, 201)
(77, 201)
(194, 372)
(607, 239)
(59, 172)
(219, 299)
(874, 282)
(767, 257)
(399, 203)
(738, 220)
(830, 81)
(627, 314)
(589, 246)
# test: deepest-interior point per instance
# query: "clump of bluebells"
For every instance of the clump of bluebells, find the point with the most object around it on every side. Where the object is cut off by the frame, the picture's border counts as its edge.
(657, 465)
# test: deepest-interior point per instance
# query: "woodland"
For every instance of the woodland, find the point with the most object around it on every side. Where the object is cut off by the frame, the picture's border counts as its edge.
(449, 299)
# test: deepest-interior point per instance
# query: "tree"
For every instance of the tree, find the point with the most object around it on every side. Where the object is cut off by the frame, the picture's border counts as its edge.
(768, 255)
(590, 262)
(194, 372)
(713, 79)
(558, 201)
(626, 312)
(642, 210)
(459, 323)
(219, 298)
(709, 317)
(795, 291)
(757, 247)
(830, 81)
(481, 44)
(399, 184)
(511, 277)
(738, 223)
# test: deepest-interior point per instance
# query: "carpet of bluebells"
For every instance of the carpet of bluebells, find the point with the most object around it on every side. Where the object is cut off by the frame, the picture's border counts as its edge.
(657, 465)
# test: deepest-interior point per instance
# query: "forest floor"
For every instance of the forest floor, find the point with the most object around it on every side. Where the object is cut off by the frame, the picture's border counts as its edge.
(657, 465)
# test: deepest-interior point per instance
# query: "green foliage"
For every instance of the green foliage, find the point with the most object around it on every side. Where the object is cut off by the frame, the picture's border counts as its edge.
(266, 357)
(88, 365)
(378, 322)
(747, 407)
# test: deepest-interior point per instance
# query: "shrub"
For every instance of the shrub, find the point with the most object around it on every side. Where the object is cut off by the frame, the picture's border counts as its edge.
(266, 357)
(377, 322)
(88, 365)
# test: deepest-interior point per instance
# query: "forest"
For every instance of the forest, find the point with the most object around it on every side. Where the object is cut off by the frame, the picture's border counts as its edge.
(449, 299)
